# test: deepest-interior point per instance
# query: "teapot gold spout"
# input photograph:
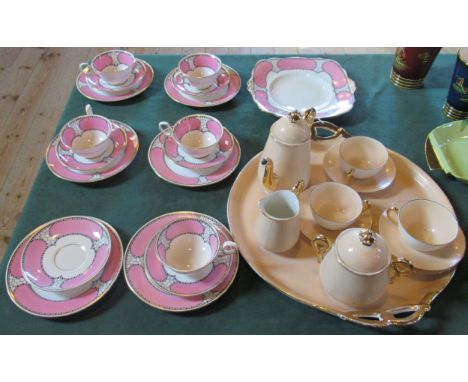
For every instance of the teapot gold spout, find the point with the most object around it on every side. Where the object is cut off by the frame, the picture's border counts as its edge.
(270, 179)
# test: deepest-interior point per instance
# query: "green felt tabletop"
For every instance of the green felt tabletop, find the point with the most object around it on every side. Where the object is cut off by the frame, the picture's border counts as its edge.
(400, 118)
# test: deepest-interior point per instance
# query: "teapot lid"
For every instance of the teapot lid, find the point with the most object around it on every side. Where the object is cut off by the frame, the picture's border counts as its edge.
(294, 129)
(362, 251)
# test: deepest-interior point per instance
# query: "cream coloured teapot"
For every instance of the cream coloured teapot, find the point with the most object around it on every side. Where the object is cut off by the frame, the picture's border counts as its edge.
(285, 160)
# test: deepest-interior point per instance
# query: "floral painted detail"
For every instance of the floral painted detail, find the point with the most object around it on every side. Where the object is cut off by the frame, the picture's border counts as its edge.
(458, 86)
(15, 282)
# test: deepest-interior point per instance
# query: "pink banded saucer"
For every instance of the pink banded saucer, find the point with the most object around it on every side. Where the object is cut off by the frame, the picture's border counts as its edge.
(173, 151)
(23, 295)
(63, 172)
(168, 170)
(196, 283)
(175, 91)
(114, 152)
(281, 85)
(65, 253)
(89, 85)
(140, 284)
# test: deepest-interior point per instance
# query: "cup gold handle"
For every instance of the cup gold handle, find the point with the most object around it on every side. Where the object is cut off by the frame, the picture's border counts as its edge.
(399, 267)
(85, 68)
(321, 245)
(349, 173)
(298, 187)
(390, 211)
(366, 205)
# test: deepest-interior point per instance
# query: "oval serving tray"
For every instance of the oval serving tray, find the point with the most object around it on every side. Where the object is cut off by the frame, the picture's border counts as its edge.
(295, 273)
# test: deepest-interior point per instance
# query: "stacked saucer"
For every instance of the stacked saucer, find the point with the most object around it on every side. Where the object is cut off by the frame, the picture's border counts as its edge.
(113, 76)
(196, 151)
(181, 261)
(202, 80)
(64, 266)
(90, 148)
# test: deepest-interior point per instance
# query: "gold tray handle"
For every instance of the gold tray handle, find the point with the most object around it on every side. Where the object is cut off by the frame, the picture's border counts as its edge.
(400, 316)
(330, 127)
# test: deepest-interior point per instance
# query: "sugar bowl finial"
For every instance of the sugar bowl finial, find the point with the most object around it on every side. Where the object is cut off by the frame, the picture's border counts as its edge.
(367, 237)
(294, 116)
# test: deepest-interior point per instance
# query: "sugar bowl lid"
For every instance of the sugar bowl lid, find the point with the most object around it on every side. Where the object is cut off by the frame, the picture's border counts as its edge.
(362, 251)
(295, 128)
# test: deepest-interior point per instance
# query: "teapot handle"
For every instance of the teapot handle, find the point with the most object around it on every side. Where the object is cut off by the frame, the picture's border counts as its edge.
(328, 126)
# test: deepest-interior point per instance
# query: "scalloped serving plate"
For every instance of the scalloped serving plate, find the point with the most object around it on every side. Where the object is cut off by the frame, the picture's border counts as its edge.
(281, 85)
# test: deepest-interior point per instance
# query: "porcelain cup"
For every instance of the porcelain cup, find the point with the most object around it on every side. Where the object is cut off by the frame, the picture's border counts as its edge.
(200, 70)
(113, 67)
(277, 228)
(424, 225)
(87, 135)
(198, 134)
(362, 157)
(189, 245)
(335, 206)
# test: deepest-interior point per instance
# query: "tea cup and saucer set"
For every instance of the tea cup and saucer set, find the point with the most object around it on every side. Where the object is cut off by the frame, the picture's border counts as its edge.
(202, 80)
(114, 75)
(90, 148)
(195, 151)
(181, 261)
(362, 163)
(64, 266)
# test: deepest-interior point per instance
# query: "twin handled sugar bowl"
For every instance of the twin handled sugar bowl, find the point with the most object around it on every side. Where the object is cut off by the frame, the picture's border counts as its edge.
(286, 156)
(358, 267)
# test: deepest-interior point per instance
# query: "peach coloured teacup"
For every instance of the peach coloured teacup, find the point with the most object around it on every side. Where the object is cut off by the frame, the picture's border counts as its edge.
(424, 225)
(197, 134)
(113, 66)
(335, 206)
(362, 157)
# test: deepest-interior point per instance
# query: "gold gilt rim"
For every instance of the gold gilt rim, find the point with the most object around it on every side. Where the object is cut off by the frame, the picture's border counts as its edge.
(236, 142)
(453, 113)
(406, 83)
(221, 227)
(98, 298)
(145, 64)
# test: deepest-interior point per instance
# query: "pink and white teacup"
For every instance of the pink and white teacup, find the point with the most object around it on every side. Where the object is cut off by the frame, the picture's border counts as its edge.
(200, 70)
(197, 134)
(113, 66)
(189, 245)
(87, 135)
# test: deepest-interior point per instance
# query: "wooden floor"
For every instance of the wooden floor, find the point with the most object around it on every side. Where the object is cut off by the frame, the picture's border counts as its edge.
(34, 86)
